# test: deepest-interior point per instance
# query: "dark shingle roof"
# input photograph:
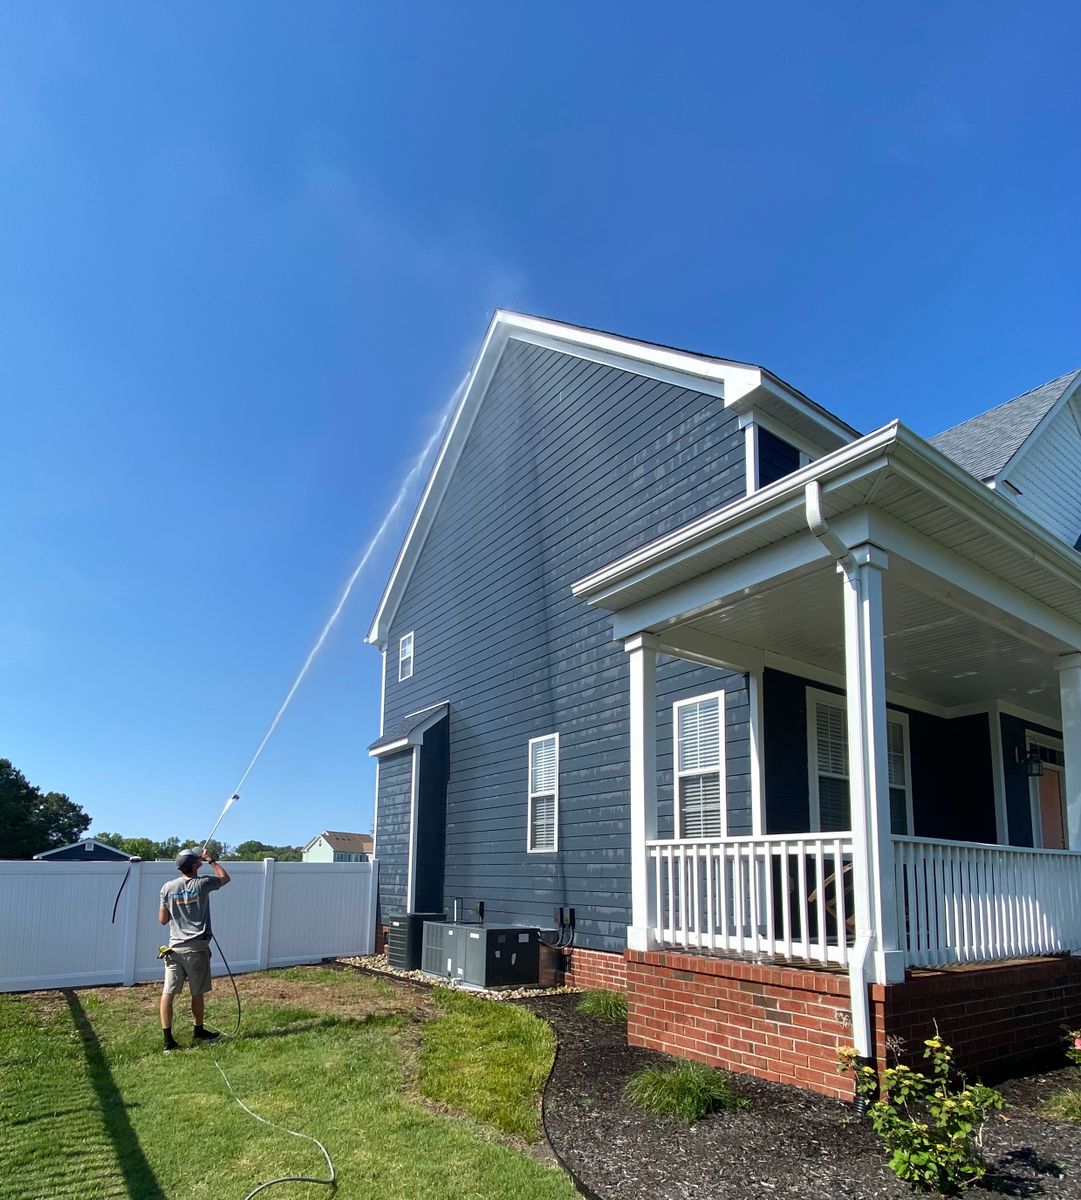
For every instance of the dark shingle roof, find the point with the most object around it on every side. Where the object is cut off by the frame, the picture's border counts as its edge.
(984, 444)
(410, 724)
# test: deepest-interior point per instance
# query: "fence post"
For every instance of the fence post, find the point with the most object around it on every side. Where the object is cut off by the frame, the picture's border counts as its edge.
(130, 926)
(373, 906)
(265, 906)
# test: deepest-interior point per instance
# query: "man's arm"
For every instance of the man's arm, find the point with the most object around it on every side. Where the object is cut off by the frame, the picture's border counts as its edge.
(216, 867)
(163, 915)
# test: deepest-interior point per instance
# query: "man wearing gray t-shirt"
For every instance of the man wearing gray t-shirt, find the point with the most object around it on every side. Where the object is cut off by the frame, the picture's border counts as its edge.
(185, 908)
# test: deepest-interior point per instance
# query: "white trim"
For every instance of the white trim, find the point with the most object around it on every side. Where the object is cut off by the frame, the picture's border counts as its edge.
(721, 770)
(756, 736)
(1032, 738)
(404, 658)
(532, 795)
(750, 457)
(642, 719)
(998, 773)
(807, 449)
(414, 803)
(382, 689)
(391, 748)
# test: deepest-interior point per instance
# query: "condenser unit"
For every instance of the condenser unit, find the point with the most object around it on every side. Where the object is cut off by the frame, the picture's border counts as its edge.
(481, 956)
(405, 932)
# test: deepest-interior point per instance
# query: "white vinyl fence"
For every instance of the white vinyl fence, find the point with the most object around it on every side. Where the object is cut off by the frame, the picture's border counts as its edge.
(56, 928)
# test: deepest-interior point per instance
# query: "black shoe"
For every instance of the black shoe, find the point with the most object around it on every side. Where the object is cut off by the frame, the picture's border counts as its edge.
(206, 1035)
(171, 1045)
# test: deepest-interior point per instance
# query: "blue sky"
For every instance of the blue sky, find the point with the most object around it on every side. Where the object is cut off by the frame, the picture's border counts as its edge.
(247, 251)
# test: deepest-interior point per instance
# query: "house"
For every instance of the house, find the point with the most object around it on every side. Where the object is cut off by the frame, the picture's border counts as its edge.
(789, 715)
(86, 850)
(338, 847)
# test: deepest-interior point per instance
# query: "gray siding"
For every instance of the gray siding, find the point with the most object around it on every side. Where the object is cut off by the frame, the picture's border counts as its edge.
(392, 833)
(569, 465)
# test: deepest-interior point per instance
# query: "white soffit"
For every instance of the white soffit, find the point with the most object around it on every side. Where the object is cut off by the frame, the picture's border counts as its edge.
(740, 386)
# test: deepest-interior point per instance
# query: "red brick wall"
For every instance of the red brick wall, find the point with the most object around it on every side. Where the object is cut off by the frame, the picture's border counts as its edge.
(998, 1017)
(779, 1023)
(596, 969)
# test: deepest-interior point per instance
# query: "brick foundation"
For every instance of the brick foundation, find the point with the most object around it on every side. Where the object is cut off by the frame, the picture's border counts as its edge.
(775, 1022)
(381, 932)
(786, 1024)
(596, 969)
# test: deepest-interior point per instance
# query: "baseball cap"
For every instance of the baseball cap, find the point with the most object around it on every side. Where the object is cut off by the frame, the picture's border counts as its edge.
(185, 859)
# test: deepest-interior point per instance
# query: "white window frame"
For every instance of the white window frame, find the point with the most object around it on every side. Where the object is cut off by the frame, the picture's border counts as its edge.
(722, 760)
(404, 658)
(534, 795)
(816, 696)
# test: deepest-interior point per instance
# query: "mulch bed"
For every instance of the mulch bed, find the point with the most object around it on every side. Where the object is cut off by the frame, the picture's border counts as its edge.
(786, 1143)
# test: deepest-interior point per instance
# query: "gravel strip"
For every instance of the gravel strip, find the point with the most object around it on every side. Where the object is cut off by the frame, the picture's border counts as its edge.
(378, 964)
(787, 1143)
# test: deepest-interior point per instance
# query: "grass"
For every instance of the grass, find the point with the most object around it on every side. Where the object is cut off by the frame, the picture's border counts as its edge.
(90, 1107)
(489, 1060)
(604, 1005)
(687, 1091)
(1064, 1105)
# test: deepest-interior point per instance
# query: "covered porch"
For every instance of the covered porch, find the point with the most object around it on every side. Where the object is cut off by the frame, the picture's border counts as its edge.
(912, 644)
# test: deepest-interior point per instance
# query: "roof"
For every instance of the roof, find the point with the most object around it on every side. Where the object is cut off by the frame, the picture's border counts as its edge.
(409, 731)
(985, 443)
(739, 386)
(357, 843)
(91, 847)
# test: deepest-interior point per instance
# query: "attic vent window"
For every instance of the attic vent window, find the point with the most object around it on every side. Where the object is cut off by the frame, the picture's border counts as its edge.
(405, 658)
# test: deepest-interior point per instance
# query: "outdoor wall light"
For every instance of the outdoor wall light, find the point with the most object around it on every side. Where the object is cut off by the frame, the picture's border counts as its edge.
(1033, 763)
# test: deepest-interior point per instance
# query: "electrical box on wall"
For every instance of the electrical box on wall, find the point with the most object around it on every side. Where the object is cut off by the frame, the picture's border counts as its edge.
(480, 956)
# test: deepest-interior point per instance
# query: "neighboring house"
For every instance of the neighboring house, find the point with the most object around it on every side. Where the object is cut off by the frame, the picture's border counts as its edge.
(790, 716)
(86, 850)
(338, 847)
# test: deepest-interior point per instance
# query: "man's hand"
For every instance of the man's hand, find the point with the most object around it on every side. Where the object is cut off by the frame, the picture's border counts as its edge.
(205, 856)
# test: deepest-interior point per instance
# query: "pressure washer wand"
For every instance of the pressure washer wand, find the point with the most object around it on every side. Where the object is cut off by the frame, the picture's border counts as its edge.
(228, 805)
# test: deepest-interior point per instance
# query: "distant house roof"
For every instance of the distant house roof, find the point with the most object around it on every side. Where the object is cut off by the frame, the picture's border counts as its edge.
(409, 731)
(984, 444)
(87, 850)
(355, 843)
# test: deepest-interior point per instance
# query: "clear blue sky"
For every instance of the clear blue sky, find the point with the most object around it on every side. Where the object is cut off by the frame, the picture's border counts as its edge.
(247, 251)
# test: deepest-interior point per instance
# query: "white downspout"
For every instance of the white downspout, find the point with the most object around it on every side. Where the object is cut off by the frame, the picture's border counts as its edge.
(861, 950)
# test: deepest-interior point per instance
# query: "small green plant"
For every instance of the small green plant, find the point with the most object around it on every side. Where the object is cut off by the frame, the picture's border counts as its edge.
(607, 1006)
(687, 1091)
(1073, 1046)
(932, 1127)
(1064, 1105)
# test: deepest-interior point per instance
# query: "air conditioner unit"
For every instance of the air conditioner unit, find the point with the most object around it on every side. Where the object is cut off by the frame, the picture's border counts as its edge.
(479, 955)
(404, 939)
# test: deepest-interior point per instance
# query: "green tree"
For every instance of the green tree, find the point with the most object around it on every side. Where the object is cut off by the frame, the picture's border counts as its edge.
(255, 851)
(32, 822)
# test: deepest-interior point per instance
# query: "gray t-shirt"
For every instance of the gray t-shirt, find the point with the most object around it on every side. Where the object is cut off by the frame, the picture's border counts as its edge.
(188, 902)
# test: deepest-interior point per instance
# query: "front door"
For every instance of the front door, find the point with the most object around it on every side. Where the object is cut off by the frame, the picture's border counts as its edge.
(1052, 809)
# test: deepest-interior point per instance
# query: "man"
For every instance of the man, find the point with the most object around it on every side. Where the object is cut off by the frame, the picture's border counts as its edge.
(185, 908)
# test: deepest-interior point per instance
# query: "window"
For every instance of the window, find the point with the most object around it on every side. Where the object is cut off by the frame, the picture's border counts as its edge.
(698, 730)
(405, 658)
(543, 792)
(827, 720)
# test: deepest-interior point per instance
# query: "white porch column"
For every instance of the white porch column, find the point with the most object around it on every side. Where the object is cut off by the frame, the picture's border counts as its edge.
(642, 651)
(1069, 683)
(868, 767)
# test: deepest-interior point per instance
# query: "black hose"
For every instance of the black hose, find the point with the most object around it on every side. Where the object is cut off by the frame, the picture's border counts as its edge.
(123, 884)
(232, 980)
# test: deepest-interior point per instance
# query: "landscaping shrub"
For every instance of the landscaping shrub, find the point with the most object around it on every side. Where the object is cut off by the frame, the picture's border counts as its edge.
(1065, 1105)
(932, 1127)
(687, 1090)
(605, 1005)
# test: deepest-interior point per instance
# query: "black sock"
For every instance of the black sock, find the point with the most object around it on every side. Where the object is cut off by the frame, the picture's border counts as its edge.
(167, 1032)
(199, 1027)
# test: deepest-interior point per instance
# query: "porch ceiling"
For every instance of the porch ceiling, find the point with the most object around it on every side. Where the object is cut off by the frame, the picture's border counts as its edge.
(933, 651)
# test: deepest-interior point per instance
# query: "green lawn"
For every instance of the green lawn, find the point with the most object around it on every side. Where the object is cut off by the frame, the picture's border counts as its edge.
(412, 1094)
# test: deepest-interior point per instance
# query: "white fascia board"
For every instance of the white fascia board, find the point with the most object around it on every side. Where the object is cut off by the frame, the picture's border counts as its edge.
(1042, 426)
(390, 748)
(836, 429)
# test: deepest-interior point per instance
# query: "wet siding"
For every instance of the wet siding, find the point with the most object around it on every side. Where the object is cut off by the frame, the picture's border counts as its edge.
(568, 466)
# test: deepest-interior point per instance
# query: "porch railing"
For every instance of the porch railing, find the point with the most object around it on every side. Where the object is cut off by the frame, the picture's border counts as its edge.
(968, 902)
(788, 896)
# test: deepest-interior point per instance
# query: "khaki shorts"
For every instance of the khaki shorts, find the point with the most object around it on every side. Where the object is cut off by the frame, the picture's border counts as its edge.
(191, 963)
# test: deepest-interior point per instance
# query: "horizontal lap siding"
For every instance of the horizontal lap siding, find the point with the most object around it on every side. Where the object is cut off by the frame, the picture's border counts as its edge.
(392, 845)
(1016, 779)
(569, 465)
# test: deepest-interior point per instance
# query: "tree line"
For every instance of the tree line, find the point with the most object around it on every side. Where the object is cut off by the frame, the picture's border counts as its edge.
(32, 821)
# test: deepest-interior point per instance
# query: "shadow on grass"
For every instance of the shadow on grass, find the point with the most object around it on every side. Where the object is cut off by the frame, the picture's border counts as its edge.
(139, 1180)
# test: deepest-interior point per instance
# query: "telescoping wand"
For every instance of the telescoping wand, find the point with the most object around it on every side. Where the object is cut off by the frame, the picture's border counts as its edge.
(228, 805)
